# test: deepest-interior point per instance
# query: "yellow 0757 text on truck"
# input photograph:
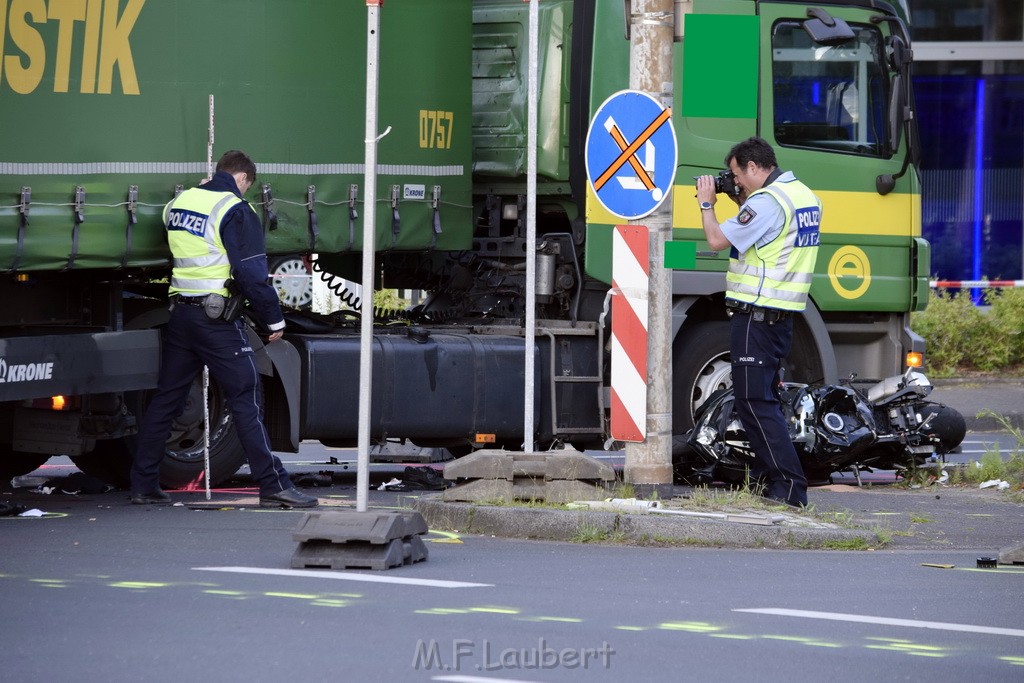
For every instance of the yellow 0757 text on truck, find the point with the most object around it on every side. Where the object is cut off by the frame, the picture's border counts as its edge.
(105, 114)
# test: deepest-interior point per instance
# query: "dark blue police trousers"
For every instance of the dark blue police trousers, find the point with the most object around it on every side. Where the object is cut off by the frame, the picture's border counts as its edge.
(757, 349)
(191, 340)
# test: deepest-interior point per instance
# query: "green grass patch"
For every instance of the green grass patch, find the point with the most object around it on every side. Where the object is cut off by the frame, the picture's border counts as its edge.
(706, 498)
(992, 464)
(856, 543)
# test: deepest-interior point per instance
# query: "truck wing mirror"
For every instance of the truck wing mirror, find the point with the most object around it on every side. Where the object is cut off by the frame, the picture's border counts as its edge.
(825, 29)
(898, 54)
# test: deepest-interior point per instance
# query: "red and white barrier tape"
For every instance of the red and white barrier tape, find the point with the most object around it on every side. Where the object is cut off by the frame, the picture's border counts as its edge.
(975, 284)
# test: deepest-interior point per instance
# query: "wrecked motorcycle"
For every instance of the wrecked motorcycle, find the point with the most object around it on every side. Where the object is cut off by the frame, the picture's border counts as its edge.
(850, 426)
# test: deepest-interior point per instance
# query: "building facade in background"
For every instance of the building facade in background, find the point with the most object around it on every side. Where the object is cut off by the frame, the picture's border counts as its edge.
(969, 84)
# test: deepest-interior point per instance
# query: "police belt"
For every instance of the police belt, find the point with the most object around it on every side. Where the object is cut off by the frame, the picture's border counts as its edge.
(770, 315)
(199, 301)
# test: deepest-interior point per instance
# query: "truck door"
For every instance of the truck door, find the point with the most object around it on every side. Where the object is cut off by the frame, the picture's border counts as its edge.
(826, 108)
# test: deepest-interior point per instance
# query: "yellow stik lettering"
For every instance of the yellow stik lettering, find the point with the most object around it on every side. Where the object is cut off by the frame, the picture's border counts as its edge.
(105, 44)
(66, 12)
(116, 49)
(3, 36)
(23, 78)
(91, 47)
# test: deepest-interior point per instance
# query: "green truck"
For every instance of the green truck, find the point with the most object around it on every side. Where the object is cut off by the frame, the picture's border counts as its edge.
(107, 109)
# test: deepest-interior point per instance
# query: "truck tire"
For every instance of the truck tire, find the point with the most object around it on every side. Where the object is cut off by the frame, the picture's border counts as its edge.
(183, 465)
(16, 463)
(700, 365)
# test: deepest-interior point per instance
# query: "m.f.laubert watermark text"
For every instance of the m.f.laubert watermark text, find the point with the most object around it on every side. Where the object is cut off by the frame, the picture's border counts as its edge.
(482, 655)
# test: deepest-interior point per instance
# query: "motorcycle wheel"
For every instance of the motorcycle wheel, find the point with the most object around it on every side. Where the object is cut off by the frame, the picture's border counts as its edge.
(948, 425)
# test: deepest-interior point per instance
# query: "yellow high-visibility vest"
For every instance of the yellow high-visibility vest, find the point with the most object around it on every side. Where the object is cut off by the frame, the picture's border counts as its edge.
(778, 274)
(193, 221)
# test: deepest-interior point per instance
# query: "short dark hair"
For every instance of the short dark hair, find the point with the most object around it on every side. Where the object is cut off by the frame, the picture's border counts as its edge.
(753, 149)
(237, 161)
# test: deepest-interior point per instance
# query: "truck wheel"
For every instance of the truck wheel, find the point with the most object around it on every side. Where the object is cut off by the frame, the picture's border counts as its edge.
(292, 280)
(700, 364)
(183, 465)
(16, 463)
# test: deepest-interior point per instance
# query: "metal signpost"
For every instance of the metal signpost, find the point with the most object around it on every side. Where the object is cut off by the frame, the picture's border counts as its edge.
(631, 158)
(652, 32)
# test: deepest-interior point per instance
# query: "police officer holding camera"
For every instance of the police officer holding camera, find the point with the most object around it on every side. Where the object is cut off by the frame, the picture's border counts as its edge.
(215, 235)
(773, 245)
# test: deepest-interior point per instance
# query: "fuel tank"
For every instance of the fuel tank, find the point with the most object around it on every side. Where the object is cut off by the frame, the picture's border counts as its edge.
(447, 387)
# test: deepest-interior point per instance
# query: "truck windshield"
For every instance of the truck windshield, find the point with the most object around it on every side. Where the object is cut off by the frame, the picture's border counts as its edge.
(832, 98)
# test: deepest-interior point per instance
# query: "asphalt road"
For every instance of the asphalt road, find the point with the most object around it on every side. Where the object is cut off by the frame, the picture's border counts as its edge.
(116, 593)
(99, 590)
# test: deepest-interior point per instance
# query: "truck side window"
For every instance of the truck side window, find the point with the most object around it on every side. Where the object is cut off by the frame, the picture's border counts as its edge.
(831, 98)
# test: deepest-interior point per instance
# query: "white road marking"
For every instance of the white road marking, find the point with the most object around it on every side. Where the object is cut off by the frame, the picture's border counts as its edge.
(345, 576)
(912, 623)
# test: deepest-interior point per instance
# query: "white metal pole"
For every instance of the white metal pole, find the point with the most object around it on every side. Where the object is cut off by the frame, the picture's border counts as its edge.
(531, 230)
(206, 370)
(369, 222)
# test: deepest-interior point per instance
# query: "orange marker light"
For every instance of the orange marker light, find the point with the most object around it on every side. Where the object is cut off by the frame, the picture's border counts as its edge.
(915, 359)
(57, 402)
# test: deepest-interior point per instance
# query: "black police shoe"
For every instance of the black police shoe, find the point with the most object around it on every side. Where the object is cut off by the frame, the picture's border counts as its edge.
(289, 498)
(157, 497)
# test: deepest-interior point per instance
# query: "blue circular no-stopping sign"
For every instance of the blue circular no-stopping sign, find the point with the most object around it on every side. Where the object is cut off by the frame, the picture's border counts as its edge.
(631, 154)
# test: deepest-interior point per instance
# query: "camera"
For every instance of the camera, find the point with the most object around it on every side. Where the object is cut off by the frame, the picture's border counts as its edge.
(725, 183)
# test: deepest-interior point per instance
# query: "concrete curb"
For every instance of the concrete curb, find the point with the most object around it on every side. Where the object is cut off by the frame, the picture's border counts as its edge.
(620, 527)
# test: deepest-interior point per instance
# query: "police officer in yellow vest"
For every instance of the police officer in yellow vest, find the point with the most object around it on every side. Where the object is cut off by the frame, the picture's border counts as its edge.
(774, 245)
(215, 235)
